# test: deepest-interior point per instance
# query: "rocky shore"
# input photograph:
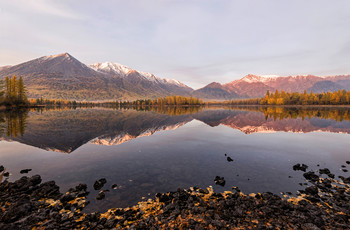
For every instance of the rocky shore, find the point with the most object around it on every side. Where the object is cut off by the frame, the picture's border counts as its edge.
(29, 203)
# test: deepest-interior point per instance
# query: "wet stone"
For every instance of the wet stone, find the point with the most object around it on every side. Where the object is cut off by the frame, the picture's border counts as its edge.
(99, 183)
(324, 171)
(23, 171)
(220, 181)
(313, 190)
(100, 196)
(300, 167)
(35, 180)
(331, 175)
(311, 176)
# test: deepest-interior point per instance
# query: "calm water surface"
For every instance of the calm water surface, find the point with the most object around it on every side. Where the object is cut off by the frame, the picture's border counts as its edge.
(160, 150)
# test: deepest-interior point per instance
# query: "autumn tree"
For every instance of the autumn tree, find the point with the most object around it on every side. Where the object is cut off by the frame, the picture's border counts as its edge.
(2, 90)
(21, 95)
(341, 97)
(14, 91)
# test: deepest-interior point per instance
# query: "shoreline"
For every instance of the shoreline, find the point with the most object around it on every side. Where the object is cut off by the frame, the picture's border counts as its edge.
(30, 204)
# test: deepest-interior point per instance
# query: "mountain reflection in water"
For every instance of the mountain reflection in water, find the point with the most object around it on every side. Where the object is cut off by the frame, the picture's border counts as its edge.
(65, 130)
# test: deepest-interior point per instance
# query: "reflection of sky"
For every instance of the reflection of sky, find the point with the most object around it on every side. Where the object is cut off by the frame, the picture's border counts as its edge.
(196, 42)
(191, 155)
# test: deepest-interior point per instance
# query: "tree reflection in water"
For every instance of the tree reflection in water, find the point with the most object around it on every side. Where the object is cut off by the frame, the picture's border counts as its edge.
(13, 123)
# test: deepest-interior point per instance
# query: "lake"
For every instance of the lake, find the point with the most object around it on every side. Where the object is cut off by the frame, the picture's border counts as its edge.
(150, 150)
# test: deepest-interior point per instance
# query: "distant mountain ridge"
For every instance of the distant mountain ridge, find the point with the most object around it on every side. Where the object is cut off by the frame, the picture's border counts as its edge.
(64, 77)
(252, 86)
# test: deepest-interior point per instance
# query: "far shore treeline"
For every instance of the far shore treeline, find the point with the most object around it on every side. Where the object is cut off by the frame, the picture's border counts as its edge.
(341, 97)
(162, 101)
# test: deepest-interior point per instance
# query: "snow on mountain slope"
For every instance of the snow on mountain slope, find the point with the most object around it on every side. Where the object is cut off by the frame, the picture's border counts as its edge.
(109, 67)
(124, 71)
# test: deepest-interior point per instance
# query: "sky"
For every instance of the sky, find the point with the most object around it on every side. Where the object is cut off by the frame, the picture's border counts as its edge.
(195, 42)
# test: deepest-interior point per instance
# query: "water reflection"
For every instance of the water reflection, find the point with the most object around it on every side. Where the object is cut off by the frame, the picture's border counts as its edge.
(13, 123)
(65, 130)
(106, 144)
(280, 113)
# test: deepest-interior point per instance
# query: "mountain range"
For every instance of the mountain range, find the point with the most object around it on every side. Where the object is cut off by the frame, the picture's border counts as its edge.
(64, 77)
(252, 86)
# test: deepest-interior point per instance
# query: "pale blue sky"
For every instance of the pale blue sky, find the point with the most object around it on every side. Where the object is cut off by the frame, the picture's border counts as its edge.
(196, 42)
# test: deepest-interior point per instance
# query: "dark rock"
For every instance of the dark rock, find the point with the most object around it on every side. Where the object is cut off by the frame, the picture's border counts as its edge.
(331, 175)
(109, 223)
(344, 170)
(17, 211)
(311, 176)
(343, 166)
(345, 180)
(299, 167)
(229, 159)
(25, 171)
(47, 190)
(220, 181)
(325, 171)
(35, 180)
(203, 191)
(114, 186)
(81, 187)
(100, 196)
(348, 162)
(236, 189)
(312, 190)
(164, 198)
(327, 183)
(83, 194)
(99, 183)
(1, 168)
(6, 174)
(66, 198)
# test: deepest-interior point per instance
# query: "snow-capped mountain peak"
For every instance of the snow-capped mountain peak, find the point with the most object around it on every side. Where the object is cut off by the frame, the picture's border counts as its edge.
(110, 67)
(123, 71)
(250, 78)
